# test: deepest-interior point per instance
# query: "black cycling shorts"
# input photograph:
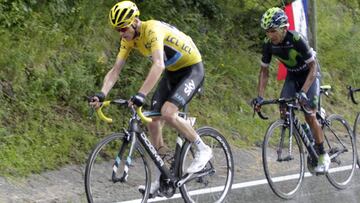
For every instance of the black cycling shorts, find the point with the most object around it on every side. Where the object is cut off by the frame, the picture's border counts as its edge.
(293, 84)
(178, 87)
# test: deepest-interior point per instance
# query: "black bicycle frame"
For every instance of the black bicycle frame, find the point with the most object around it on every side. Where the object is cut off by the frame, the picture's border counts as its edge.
(154, 155)
(294, 123)
(309, 146)
(134, 133)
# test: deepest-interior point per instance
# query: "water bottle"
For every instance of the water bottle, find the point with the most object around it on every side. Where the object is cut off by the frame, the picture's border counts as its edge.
(308, 133)
(322, 112)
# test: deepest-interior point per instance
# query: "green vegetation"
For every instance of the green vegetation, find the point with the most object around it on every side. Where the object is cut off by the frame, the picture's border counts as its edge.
(56, 52)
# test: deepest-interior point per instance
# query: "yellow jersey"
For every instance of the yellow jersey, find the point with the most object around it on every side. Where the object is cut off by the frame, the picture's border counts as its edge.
(179, 49)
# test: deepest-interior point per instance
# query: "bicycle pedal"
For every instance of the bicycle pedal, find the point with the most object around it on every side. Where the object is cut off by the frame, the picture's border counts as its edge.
(321, 173)
(333, 151)
(156, 194)
(151, 196)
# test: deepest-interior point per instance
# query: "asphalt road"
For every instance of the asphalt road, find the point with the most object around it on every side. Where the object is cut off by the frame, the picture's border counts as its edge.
(66, 185)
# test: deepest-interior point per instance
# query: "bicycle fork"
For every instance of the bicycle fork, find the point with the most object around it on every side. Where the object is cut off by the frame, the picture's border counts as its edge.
(279, 150)
(119, 156)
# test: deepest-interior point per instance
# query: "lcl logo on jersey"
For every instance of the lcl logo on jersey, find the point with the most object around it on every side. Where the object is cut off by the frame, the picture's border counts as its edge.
(189, 87)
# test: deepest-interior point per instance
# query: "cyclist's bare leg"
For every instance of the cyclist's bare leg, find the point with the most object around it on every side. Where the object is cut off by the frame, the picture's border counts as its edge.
(324, 159)
(156, 139)
(169, 113)
(315, 127)
(155, 130)
(282, 112)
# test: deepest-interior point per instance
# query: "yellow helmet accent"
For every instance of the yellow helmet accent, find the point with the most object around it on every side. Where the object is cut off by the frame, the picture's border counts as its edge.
(123, 14)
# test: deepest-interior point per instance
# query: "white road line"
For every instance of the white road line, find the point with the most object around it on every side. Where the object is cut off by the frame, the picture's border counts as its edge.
(240, 185)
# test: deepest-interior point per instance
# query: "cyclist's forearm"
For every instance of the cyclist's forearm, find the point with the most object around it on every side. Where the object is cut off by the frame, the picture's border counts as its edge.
(152, 78)
(311, 76)
(154, 74)
(263, 79)
(112, 76)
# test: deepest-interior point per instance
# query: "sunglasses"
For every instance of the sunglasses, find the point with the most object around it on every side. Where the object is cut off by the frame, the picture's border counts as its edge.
(124, 29)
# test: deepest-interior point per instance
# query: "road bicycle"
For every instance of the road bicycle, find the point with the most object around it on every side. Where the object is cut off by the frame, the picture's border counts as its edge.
(283, 151)
(120, 162)
(356, 122)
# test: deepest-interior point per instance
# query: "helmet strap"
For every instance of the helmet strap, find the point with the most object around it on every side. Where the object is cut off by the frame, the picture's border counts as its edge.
(136, 34)
(283, 33)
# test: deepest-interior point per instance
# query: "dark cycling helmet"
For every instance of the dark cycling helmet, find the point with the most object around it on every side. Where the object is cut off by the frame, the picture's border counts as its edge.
(274, 18)
(123, 14)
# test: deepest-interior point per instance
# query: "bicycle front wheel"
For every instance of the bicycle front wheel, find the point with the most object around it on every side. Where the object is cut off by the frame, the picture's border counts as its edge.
(100, 185)
(339, 143)
(215, 186)
(357, 138)
(283, 160)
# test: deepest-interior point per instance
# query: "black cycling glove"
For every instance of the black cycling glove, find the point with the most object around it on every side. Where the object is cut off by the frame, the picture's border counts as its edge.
(138, 99)
(99, 95)
(258, 100)
(302, 97)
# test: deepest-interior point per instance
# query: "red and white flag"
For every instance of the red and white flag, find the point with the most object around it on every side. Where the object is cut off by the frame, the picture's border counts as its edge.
(297, 16)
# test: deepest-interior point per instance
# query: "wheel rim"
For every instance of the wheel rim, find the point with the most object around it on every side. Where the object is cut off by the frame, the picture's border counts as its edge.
(342, 166)
(211, 188)
(284, 177)
(99, 185)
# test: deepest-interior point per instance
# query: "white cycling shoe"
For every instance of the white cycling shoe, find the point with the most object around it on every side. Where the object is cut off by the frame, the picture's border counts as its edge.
(323, 164)
(154, 189)
(201, 159)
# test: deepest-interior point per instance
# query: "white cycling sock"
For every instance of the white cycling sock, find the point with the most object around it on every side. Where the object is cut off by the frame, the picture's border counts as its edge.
(200, 145)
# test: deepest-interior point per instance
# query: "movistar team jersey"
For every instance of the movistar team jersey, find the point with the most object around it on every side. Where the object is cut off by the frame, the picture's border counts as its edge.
(294, 52)
(179, 49)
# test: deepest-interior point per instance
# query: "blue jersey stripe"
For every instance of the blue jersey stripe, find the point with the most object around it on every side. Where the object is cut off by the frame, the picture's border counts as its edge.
(173, 59)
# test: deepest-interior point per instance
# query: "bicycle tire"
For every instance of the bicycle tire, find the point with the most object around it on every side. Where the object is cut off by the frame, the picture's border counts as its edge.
(284, 177)
(356, 136)
(339, 136)
(99, 186)
(213, 187)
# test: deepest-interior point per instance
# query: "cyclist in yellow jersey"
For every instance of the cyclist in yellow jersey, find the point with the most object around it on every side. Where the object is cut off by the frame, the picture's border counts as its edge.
(173, 55)
(179, 50)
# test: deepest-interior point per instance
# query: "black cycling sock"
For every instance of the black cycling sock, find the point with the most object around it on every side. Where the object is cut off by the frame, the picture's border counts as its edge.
(320, 148)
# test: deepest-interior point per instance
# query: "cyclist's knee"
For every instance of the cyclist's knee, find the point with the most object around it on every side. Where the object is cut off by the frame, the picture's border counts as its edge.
(282, 112)
(169, 112)
(311, 117)
(155, 124)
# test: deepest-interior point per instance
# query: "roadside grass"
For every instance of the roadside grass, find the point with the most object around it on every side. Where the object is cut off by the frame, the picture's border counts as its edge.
(47, 68)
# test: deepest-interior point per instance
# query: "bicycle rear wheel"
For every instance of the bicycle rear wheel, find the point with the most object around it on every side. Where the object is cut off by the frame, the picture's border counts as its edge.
(357, 138)
(99, 185)
(283, 160)
(215, 186)
(339, 143)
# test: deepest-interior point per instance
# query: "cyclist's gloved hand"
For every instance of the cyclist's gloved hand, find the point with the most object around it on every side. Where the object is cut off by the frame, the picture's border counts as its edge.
(95, 99)
(100, 97)
(138, 99)
(256, 102)
(302, 97)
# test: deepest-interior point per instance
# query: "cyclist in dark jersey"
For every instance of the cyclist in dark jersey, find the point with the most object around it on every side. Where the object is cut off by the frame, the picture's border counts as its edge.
(303, 77)
(173, 53)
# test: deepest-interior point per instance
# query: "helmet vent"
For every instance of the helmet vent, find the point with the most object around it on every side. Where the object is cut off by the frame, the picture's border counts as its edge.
(122, 14)
(113, 19)
(129, 14)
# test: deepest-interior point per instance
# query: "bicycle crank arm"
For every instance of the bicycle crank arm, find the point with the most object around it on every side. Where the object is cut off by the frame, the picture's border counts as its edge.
(189, 177)
(287, 158)
(334, 153)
